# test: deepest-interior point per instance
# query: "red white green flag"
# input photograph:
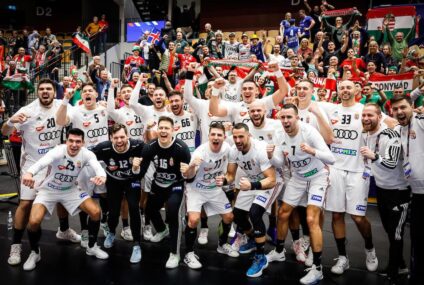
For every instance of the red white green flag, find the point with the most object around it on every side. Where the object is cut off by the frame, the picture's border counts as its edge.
(82, 42)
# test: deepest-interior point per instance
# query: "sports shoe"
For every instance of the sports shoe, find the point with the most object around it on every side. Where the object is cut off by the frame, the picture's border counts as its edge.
(192, 260)
(203, 236)
(272, 235)
(228, 250)
(298, 250)
(15, 254)
(313, 276)
(238, 240)
(147, 232)
(273, 255)
(305, 242)
(401, 271)
(371, 260)
(341, 265)
(259, 264)
(110, 238)
(97, 252)
(248, 247)
(105, 228)
(310, 258)
(84, 238)
(69, 234)
(126, 234)
(160, 236)
(173, 261)
(136, 254)
(32, 260)
(232, 232)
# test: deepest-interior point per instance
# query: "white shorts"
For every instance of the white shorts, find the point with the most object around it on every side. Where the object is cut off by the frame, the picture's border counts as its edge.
(214, 202)
(148, 178)
(84, 183)
(307, 192)
(348, 192)
(263, 198)
(70, 199)
(27, 193)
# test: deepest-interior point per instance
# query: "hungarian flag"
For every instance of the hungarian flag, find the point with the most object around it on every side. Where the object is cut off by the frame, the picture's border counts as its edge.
(388, 83)
(82, 42)
(18, 81)
(400, 19)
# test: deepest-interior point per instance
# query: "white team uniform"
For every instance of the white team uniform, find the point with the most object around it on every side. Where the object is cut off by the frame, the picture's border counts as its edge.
(309, 118)
(40, 134)
(232, 91)
(309, 180)
(202, 191)
(253, 163)
(60, 185)
(349, 190)
(185, 128)
(239, 111)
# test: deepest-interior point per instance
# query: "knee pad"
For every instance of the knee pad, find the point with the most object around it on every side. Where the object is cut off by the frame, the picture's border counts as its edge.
(256, 212)
(241, 218)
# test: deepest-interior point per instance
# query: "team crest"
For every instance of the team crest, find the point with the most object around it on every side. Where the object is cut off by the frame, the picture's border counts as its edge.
(129, 123)
(269, 136)
(86, 124)
(103, 113)
(176, 128)
(209, 114)
(243, 114)
(308, 119)
(412, 134)
(356, 116)
(131, 160)
(171, 162)
(39, 119)
(334, 121)
(79, 164)
(39, 129)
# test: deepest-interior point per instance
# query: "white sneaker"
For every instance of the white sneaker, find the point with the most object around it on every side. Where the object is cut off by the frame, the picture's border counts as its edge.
(173, 261)
(148, 232)
(313, 276)
(371, 260)
(203, 236)
(136, 254)
(126, 234)
(160, 236)
(84, 239)
(273, 255)
(32, 260)
(105, 228)
(341, 266)
(310, 258)
(97, 252)
(232, 232)
(69, 234)
(239, 240)
(15, 254)
(298, 250)
(228, 250)
(192, 260)
(306, 242)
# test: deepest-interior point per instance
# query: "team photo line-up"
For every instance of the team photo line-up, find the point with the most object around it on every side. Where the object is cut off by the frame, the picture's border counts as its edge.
(289, 156)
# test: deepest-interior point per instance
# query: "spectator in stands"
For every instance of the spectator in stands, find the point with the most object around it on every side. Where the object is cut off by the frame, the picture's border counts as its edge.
(180, 43)
(285, 23)
(12, 43)
(358, 39)
(135, 61)
(244, 48)
(292, 35)
(399, 41)
(375, 56)
(304, 50)
(75, 50)
(92, 30)
(49, 38)
(22, 60)
(54, 59)
(230, 49)
(40, 60)
(256, 47)
(168, 63)
(210, 34)
(315, 14)
(185, 58)
(34, 40)
(101, 82)
(215, 45)
(25, 40)
(104, 26)
(339, 29)
(168, 33)
(306, 24)
(96, 65)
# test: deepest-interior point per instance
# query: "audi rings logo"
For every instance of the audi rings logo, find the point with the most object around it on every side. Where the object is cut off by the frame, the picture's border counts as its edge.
(301, 163)
(48, 136)
(136, 132)
(63, 178)
(345, 134)
(166, 176)
(185, 136)
(95, 133)
(208, 176)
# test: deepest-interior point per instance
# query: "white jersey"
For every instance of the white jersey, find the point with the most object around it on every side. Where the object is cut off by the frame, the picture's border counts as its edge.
(239, 111)
(254, 162)
(268, 133)
(213, 165)
(244, 51)
(412, 138)
(309, 118)
(281, 60)
(231, 51)
(301, 163)
(347, 129)
(39, 132)
(232, 91)
(133, 122)
(185, 128)
(64, 169)
(94, 123)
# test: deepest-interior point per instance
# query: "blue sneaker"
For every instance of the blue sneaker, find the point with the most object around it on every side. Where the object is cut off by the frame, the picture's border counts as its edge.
(259, 264)
(272, 235)
(110, 238)
(136, 254)
(248, 247)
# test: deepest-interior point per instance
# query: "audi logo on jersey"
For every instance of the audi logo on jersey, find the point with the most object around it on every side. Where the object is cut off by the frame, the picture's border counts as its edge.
(301, 163)
(94, 133)
(185, 136)
(63, 178)
(345, 134)
(48, 136)
(136, 132)
(166, 176)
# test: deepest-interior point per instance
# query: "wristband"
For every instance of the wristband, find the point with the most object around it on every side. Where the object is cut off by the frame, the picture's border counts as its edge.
(256, 185)
(65, 101)
(278, 74)
(377, 156)
(10, 124)
(215, 92)
(189, 75)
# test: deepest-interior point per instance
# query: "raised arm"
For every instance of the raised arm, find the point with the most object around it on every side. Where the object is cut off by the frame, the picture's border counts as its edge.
(138, 108)
(62, 118)
(324, 126)
(283, 89)
(216, 107)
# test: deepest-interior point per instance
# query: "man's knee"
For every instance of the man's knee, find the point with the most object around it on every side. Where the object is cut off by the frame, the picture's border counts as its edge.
(256, 213)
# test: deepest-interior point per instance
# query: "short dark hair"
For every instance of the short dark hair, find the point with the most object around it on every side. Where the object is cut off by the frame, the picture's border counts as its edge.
(88, 84)
(46, 81)
(117, 127)
(291, 106)
(75, 132)
(175, 92)
(250, 80)
(126, 86)
(398, 98)
(240, 126)
(307, 81)
(216, 125)
(166, 119)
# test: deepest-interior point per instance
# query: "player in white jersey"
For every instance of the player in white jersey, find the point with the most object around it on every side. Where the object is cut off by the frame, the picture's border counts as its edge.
(208, 164)
(185, 123)
(258, 190)
(382, 152)
(40, 133)
(349, 187)
(239, 111)
(308, 157)
(64, 164)
(411, 130)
